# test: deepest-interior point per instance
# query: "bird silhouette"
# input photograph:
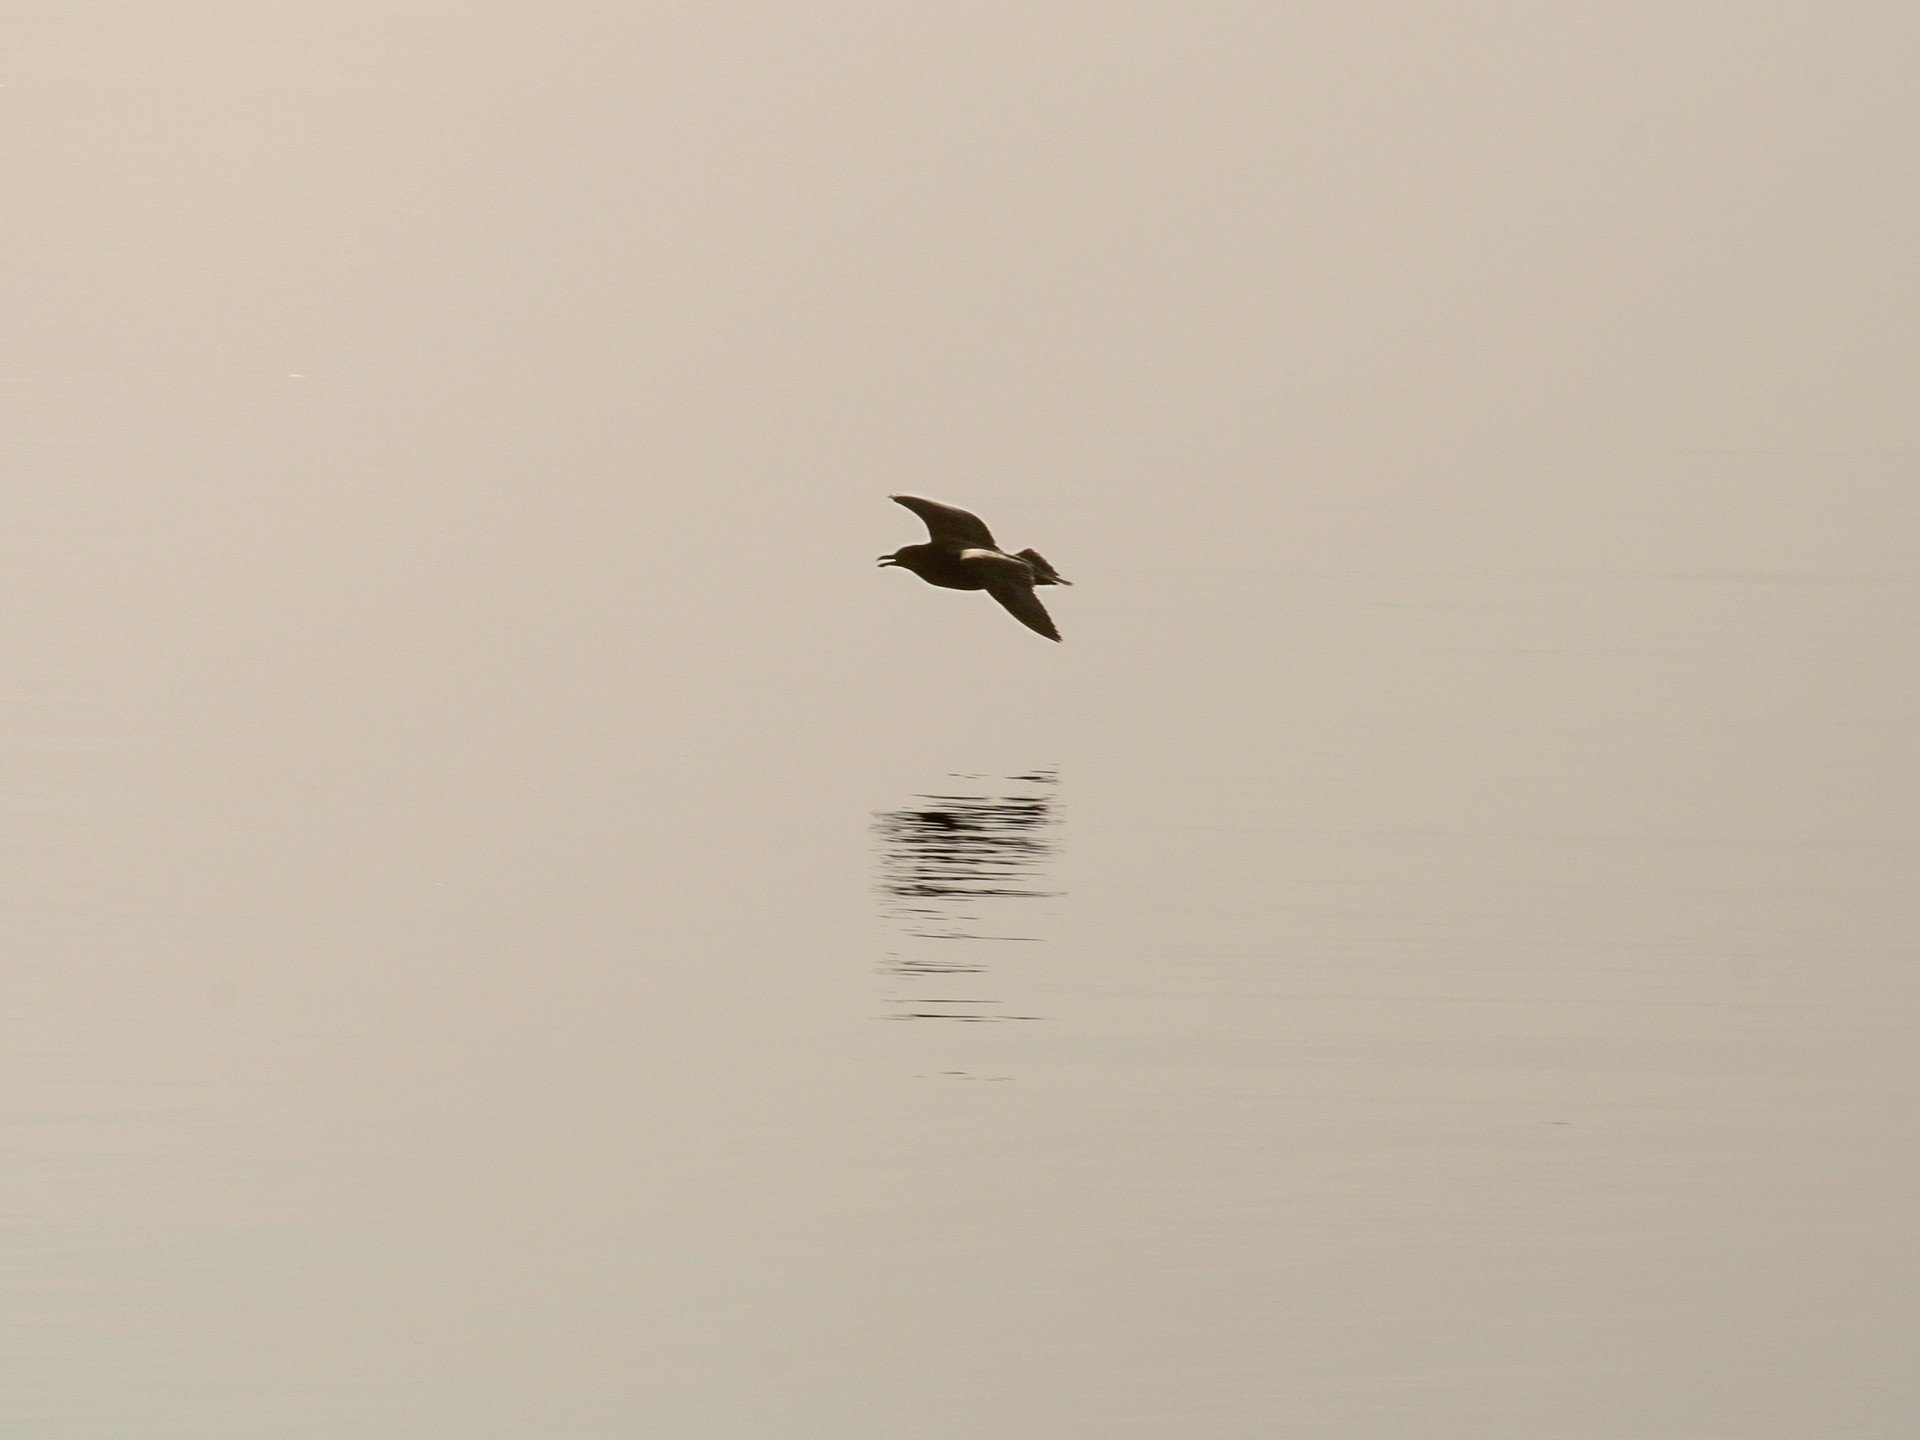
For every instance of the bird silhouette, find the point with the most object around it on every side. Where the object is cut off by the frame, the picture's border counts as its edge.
(962, 556)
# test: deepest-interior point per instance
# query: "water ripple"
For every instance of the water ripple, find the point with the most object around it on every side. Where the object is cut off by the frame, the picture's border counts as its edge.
(949, 864)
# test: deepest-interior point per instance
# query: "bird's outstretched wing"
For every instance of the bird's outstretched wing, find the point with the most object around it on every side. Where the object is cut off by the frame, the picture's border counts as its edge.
(1025, 607)
(947, 525)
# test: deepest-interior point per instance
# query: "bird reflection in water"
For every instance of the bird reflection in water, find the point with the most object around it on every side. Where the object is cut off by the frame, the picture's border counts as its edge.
(951, 865)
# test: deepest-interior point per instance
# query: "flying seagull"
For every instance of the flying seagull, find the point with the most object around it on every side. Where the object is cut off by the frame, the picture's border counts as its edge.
(962, 556)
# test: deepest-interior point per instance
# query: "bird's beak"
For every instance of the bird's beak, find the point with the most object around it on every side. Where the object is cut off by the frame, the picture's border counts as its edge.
(886, 560)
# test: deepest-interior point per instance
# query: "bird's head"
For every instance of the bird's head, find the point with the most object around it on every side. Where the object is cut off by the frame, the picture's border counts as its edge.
(913, 558)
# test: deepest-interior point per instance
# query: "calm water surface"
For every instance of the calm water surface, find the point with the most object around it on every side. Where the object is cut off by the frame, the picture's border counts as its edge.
(515, 928)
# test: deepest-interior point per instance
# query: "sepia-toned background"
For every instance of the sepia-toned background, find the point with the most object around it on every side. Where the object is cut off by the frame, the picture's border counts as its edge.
(514, 927)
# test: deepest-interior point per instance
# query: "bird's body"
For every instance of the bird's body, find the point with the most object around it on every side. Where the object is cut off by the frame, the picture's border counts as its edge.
(962, 556)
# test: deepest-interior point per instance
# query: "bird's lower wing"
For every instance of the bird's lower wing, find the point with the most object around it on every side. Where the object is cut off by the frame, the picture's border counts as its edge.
(946, 524)
(1025, 607)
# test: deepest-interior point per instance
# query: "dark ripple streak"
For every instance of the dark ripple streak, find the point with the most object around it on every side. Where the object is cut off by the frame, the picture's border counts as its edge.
(945, 860)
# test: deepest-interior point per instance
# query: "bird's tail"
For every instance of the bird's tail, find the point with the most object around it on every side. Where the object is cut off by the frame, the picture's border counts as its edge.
(1043, 573)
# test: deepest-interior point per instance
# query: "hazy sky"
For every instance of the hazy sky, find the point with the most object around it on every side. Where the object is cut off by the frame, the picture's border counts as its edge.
(448, 689)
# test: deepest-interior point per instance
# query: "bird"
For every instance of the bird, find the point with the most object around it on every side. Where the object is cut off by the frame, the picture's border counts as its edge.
(961, 555)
